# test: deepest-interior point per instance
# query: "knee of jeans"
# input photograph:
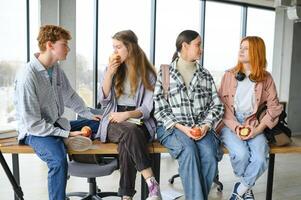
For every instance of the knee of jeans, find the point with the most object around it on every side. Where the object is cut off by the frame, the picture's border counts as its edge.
(189, 152)
(241, 156)
(59, 162)
(261, 161)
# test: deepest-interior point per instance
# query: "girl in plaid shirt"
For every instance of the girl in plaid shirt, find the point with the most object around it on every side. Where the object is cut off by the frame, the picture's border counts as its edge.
(192, 101)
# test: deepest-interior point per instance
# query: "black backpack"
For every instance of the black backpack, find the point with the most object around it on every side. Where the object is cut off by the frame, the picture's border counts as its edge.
(280, 135)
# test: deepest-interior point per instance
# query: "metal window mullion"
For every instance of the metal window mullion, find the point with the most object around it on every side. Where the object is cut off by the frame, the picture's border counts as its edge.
(202, 26)
(244, 18)
(153, 31)
(27, 32)
(95, 54)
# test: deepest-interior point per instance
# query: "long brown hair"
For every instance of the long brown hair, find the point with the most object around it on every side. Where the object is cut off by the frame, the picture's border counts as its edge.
(257, 57)
(137, 64)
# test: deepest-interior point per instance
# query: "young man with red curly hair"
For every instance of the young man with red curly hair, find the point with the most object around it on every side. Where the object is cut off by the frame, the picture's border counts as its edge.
(42, 90)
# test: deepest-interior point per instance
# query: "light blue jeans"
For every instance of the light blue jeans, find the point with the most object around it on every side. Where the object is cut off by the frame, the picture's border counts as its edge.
(197, 160)
(52, 150)
(249, 158)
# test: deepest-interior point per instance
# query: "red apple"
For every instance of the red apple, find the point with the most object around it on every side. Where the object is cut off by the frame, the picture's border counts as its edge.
(87, 131)
(196, 132)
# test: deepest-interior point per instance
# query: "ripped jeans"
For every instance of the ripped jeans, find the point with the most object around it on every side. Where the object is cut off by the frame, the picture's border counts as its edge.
(197, 160)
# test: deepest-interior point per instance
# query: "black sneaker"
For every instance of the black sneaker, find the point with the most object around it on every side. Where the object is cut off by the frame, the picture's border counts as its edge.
(234, 195)
(249, 195)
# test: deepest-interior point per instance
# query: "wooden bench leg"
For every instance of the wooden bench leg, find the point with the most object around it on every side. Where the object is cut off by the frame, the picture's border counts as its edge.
(156, 162)
(270, 177)
(10, 176)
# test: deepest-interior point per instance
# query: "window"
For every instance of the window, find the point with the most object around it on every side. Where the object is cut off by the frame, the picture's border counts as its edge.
(222, 37)
(173, 17)
(34, 25)
(84, 49)
(118, 15)
(12, 57)
(262, 23)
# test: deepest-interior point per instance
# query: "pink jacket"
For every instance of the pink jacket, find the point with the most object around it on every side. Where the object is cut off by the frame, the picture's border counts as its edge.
(265, 91)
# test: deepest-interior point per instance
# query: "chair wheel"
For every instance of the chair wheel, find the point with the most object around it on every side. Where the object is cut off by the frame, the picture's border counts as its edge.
(171, 180)
(219, 187)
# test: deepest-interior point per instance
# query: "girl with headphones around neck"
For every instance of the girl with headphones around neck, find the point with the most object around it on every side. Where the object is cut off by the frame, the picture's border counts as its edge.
(242, 90)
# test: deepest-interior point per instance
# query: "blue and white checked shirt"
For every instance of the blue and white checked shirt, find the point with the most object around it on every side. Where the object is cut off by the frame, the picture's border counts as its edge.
(199, 104)
(39, 104)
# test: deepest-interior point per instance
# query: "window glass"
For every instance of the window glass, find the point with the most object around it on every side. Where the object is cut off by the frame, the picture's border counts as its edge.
(34, 20)
(84, 49)
(262, 23)
(12, 56)
(118, 15)
(173, 17)
(222, 37)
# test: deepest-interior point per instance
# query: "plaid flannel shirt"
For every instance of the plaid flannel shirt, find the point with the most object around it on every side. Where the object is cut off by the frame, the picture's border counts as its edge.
(194, 106)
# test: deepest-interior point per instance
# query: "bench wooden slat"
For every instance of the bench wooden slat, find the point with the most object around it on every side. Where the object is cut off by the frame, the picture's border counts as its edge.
(155, 147)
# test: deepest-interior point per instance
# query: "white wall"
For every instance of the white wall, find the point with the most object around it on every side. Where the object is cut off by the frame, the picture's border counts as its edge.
(286, 69)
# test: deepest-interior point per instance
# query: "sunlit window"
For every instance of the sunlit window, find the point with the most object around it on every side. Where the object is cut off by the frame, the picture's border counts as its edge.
(173, 17)
(34, 20)
(84, 49)
(118, 15)
(12, 53)
(262, 23)
(222, 37)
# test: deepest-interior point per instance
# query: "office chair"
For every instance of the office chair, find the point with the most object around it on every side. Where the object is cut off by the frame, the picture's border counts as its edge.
(219, 185)
(105, 166)
(91, 171)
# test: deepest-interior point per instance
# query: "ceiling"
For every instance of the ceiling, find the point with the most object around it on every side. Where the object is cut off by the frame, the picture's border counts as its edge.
(267, 3)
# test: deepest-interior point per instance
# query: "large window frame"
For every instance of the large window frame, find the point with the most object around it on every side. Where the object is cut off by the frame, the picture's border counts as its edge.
(152, 39)
(8, 126)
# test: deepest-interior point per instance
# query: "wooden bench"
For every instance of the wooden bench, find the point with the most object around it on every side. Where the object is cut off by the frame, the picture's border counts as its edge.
(155, 149)
(98, 148)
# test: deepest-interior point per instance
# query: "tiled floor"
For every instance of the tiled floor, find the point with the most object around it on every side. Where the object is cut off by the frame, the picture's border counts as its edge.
(287, 180)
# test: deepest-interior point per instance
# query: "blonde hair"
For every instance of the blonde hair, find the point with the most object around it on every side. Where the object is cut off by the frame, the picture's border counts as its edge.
(51, 33)
(137, 63)
(257, 57)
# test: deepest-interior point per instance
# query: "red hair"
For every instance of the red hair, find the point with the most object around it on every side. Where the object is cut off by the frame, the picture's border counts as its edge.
(257, 59)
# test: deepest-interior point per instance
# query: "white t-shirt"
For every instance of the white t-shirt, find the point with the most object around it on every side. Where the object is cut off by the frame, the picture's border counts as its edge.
(244, 100)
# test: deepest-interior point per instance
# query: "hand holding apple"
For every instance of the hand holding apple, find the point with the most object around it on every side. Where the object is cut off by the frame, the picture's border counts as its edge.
(244, 131)
(196, 132)
(115, 57)
(86, 131)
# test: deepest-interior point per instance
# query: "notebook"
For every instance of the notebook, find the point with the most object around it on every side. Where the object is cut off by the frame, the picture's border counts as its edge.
(10, 134)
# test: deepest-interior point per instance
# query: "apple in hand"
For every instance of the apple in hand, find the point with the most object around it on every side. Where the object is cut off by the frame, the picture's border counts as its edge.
(196, 132)
(244, 131)
(115, 56)
(87, 131)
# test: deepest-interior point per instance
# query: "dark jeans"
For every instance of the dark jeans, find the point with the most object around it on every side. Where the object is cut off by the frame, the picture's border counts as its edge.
(76, 125)
(51, 149)
(133, 153)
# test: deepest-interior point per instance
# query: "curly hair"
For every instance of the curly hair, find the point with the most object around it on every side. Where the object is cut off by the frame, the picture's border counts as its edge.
(51, 33)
